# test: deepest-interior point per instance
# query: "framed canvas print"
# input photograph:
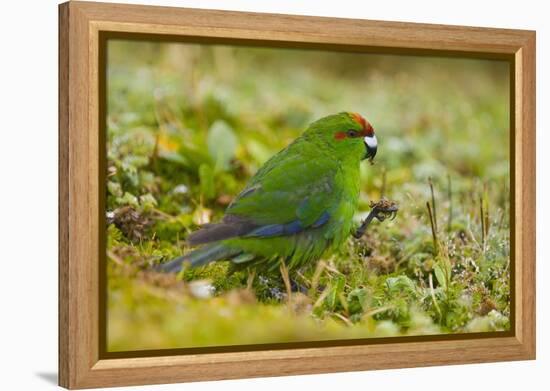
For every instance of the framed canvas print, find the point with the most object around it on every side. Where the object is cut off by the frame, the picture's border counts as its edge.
(248, 195)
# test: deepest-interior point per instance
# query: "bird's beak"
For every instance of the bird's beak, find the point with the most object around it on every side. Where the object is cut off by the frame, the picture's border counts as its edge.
(371, 144)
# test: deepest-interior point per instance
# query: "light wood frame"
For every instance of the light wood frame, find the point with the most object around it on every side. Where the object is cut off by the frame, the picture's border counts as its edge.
(80, 25)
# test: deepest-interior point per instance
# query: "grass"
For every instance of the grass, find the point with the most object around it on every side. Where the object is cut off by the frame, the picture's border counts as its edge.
(188, 125)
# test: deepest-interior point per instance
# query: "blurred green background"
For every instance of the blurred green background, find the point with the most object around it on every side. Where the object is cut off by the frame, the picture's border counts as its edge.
(188, 124)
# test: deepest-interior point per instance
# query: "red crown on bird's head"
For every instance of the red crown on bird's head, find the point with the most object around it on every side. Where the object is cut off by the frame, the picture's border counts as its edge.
(365, 125)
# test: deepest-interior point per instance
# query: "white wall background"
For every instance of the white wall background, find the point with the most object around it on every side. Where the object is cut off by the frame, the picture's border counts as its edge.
(28, 194)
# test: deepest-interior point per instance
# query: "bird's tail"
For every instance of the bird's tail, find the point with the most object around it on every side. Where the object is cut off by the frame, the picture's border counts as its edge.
(201, 256)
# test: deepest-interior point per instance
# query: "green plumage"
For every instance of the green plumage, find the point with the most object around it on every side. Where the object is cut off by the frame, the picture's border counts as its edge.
(299, 204)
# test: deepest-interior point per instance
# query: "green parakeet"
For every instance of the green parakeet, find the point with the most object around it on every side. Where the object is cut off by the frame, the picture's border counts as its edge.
(299, 204)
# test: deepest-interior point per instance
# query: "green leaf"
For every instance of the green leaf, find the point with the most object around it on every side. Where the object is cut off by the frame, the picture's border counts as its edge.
(206, 177)
(147, 201)
(400, 284)
(114, 188)
(356, 300)
(442, 270)
(174, 157)
(222, 144)
(127, 199)
(333, 297)
(194, 155)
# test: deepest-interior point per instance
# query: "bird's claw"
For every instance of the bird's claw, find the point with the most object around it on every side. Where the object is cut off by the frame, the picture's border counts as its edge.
(381, 211)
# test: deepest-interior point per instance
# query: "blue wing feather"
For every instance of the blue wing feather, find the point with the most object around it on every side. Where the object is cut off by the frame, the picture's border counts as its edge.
(267, 231)
(292, 228)
(325, 217)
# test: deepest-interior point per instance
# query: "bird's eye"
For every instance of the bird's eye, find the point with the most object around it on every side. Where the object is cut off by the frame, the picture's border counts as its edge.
(352, 133)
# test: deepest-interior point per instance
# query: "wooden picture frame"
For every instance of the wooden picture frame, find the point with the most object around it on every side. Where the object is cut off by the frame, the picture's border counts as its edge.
(83, 25)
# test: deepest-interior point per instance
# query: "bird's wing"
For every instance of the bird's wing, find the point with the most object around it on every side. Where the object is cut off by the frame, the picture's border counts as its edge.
(284, 198)
(298, 189)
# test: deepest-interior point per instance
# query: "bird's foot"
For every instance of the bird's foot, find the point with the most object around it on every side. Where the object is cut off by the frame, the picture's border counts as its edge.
(380, 211)
(384, 209)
